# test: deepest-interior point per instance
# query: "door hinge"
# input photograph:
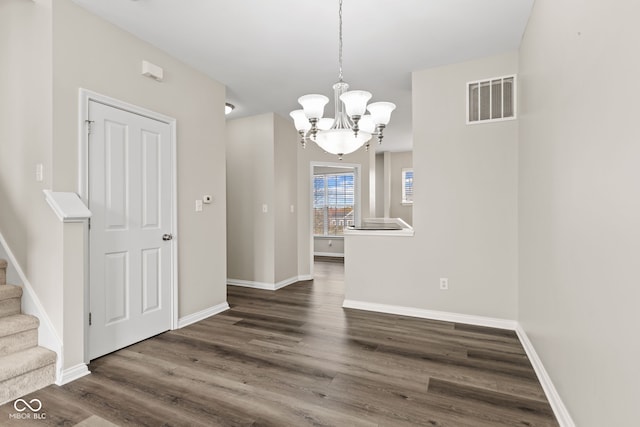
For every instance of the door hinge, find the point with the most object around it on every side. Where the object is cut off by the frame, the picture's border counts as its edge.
(89, 319)
(89, 126)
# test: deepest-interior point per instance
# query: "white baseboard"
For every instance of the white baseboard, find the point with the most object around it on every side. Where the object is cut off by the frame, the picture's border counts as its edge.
(265, 285)
(202, 314)
(47, 335)
(559, 409)
(432, 314)
(332, 254)
(305, 277)
(72, 374)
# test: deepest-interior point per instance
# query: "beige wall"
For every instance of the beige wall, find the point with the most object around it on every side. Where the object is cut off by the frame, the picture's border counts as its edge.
(250, 184)
(465, 208)
(324, 246)
(580, 203)
(93, 54)
(399, 161)
(379, 168)
(261, 165)
(286, 196)
(28, 225)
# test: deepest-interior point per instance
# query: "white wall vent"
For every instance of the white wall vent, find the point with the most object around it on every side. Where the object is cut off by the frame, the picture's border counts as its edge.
(491, 100)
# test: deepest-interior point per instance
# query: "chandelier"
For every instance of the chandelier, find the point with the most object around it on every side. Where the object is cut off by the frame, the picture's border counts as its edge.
(351, 128)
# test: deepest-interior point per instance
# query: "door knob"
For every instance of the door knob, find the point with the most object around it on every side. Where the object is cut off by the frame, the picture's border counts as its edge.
(167, 237)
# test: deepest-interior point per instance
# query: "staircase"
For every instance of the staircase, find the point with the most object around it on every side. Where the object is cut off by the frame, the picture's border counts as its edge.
(24, 367)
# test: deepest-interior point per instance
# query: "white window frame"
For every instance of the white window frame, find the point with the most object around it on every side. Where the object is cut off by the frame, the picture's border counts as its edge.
(490, 120)
(325, 234)
(406, 202)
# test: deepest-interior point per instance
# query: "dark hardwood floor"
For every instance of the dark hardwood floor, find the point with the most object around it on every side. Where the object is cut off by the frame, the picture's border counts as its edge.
(294, 357)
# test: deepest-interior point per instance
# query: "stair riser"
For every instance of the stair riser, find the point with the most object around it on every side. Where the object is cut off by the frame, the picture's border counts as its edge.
(17, 342)
(9, 307)
(27, 382)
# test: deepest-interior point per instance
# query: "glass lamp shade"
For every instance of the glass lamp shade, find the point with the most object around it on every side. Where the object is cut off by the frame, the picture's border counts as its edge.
(325, 123)
(366, 124)
(341, 141)
(313, 105)
(300, 120)
(355, 102)
(381, 112)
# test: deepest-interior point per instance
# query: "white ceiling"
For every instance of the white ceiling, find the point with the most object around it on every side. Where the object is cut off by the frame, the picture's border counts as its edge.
(270, 52)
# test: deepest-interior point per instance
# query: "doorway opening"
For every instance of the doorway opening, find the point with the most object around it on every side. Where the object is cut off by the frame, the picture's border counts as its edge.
(335, 205)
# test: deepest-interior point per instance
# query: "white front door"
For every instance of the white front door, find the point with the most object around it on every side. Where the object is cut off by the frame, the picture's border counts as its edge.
(130, 197)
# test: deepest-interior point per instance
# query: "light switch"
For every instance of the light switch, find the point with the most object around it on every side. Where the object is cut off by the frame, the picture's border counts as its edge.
(292, 209)
(265, 209)
(198, 205)
(39, 172)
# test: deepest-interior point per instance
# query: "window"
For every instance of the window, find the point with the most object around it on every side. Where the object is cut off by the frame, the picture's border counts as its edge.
(407, 186)
(333, 203)
(491, 100)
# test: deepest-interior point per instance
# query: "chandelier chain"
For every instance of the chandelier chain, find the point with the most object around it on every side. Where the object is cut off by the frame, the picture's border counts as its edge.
(340, 42)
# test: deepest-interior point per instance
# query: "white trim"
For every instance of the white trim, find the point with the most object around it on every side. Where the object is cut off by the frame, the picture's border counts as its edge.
(47, 334)
(84, 97)
(305, 277)
(559, 409)
(202, 314)
(332, 254)
(445, 316)
(67, 206)
(265, 285)
(405, 232)
(72, 374)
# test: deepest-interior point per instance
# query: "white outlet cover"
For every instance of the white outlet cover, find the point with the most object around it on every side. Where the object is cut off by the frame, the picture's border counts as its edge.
(444, 283)
(198, 205)
(39, 172)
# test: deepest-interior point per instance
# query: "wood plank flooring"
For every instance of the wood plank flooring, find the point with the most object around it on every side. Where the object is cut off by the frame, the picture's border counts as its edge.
(294, 357)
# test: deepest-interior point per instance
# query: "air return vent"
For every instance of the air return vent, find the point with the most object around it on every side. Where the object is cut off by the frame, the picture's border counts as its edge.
(491, 100)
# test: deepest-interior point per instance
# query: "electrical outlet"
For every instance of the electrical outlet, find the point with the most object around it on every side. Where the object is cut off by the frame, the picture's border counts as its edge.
(265, 208)
(444, 283)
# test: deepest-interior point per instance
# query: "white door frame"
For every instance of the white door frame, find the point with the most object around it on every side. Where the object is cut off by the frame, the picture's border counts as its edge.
(85, 96)
(358, 183)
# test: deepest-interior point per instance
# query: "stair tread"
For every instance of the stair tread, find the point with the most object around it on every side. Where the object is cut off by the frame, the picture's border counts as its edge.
(21, 362)
(10, 291)
(13, 324)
